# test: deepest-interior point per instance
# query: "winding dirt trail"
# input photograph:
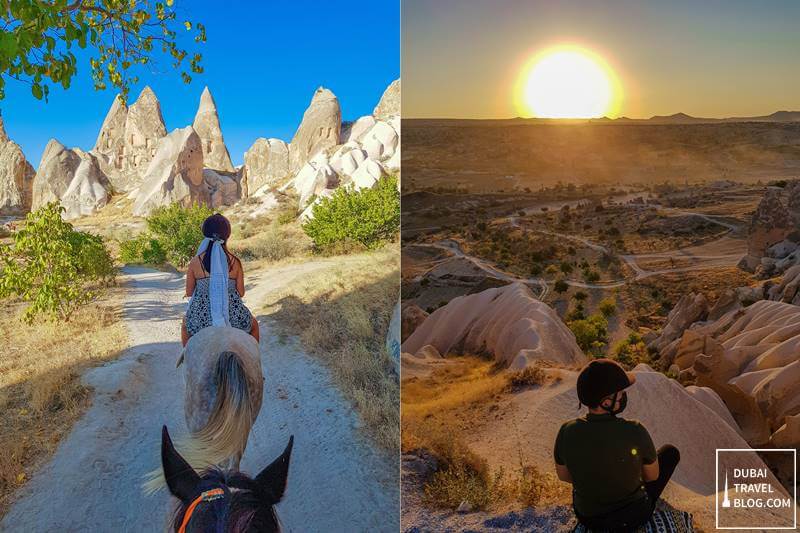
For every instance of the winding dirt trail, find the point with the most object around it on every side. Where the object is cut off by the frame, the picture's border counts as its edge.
(723, 252)
(337, 480)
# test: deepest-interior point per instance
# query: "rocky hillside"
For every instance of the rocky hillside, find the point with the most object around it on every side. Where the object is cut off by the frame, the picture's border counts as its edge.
(134, 155)
(774, 232)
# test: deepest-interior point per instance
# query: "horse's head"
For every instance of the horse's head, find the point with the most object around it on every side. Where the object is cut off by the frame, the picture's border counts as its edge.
(222, 501)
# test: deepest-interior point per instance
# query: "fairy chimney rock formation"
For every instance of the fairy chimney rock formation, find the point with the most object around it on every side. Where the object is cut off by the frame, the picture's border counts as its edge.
(56, 170)
(266, 163)
(770, 224)
(389, 105)
(319, 129)
(206, 124)
(144, 126)
(111, 139)
(16, 176)
(174, 175)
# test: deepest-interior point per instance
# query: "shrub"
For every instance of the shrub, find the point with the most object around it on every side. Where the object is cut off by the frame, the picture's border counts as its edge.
(631, 351)
(608, 307)
(527, 377)
(590, 333)
(143, 249)
(178, 230)
(560, 286)
(366, 216)
(462, 475)
(576, 313)
(53, 267)
(449, 487)
(591, 276)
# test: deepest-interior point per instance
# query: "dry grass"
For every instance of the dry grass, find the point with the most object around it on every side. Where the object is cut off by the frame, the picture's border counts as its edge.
(341, 315)
(527, 377)
(271, 241)
(439, 413)
(40, 391)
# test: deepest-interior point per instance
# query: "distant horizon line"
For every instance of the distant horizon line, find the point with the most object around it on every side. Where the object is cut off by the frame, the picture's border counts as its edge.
(680, 115)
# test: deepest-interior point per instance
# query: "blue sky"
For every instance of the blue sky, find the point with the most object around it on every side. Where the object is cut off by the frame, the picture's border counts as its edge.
(263, 60)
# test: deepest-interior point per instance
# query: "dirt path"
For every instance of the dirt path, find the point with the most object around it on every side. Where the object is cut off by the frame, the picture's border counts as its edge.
(337, 481)
(723, 252)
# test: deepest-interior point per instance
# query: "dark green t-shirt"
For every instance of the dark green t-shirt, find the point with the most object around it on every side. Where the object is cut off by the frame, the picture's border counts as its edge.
(604, 455)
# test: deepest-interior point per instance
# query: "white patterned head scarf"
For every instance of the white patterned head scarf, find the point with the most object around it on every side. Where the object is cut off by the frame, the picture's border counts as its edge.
(218, 282)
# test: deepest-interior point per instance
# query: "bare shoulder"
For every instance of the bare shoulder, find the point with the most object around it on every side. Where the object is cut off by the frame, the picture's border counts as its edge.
(194, 265)
(236, 264)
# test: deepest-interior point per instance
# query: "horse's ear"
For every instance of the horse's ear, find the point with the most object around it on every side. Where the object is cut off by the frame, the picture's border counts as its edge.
(181, 478)
(272, 480)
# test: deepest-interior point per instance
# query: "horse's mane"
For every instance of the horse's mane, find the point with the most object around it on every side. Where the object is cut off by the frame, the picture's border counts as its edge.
(244, 505)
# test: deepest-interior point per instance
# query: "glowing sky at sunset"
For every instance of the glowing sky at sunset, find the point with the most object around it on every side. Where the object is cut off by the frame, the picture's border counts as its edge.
(465, 58)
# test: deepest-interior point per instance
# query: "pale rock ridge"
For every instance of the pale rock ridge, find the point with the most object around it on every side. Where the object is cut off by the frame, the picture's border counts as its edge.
(266, 163)
(206, 124)
(89, 189)
(73, 178)
(56, 171)
(315, 176)
(318, 131)
(358, 128)
(16, 177)
(381, 141)
(507, 323)
(749, 357)
(175, 174)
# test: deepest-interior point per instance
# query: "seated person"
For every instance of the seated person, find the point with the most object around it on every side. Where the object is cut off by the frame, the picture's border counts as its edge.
(616, 473)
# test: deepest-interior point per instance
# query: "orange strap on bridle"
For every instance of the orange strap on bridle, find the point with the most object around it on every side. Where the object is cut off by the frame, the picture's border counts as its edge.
(206, 496)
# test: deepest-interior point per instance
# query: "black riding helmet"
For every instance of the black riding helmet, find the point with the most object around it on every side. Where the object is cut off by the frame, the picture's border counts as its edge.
(600, 378)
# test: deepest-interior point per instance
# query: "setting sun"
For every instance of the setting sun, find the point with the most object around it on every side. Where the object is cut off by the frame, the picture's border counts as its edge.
(567, 82)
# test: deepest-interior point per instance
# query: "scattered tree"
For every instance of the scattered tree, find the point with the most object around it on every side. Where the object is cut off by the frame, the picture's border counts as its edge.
(608, 307)
(590, 333)
(52, 266)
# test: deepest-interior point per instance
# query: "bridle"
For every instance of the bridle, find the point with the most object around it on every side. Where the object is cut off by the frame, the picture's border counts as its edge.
(205, 496)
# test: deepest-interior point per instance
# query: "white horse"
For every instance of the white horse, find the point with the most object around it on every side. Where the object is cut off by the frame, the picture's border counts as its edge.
(224, 389)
